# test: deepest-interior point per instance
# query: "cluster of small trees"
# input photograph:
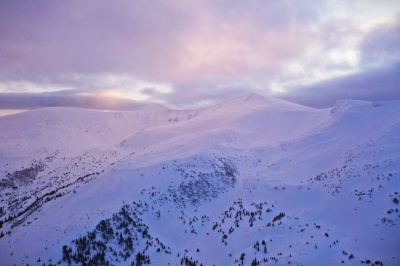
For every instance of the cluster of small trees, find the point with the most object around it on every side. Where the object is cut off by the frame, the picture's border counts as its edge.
(6, 220)
(255, 262)
(278, 217)
(395, 200)
(123, 229)
(140, 259)
(239, 212)
(222, 176)
(376, 263)
(256, 246)
(88, 252)
(92, 248)
(27, 174)
(190, 261)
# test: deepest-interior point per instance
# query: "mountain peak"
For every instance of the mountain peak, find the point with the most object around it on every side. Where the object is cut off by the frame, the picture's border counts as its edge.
(254, 100)
(346, 104)
(154, 108)
(252, 97)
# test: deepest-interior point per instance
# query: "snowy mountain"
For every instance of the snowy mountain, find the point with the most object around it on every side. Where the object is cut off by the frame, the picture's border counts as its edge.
(250, 181)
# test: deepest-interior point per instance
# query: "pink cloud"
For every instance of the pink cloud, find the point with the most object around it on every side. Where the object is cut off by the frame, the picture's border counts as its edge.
(194, 47)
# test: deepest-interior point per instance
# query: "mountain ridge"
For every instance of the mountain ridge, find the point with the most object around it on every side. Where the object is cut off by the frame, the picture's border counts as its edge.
(202, 186)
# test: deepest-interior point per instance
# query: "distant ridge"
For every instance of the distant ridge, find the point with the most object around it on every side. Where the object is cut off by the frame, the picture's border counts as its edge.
(256, 101)
(246, 180)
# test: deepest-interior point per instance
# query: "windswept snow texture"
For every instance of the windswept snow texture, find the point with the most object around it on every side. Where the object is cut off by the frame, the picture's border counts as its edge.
(251, 181)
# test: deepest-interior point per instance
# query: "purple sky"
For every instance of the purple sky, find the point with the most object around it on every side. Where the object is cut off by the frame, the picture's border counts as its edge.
(122, 54)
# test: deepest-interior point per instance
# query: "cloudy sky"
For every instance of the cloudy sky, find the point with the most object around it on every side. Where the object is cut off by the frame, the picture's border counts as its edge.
(122, 54)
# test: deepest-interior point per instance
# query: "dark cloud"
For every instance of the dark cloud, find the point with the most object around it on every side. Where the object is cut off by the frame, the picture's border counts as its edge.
(162, 41)
(378, 77)
(64, 99)
(48, 39)
(189, 52)
(371, 85)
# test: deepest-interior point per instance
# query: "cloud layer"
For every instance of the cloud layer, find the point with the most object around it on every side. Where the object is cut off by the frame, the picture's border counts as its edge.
(191, 53)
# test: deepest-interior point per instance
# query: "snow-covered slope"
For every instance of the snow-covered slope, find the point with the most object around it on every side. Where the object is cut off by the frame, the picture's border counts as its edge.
(250, 181)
